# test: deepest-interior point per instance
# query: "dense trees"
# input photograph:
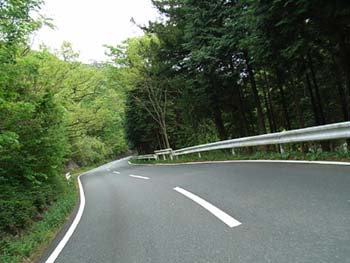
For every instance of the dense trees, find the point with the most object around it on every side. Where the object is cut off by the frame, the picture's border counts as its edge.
(239, 68)
(53, 111)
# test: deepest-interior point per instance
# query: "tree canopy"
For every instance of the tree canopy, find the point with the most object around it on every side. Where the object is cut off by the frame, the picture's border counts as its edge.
(239, 68)
(55, 113)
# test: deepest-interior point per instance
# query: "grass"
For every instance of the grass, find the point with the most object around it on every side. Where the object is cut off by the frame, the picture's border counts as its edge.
(29, 246)
(222, 155)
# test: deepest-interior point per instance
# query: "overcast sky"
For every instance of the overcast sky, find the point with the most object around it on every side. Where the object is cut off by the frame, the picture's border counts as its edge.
(89, 24)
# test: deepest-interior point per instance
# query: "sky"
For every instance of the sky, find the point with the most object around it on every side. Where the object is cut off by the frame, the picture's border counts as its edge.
(90, 24)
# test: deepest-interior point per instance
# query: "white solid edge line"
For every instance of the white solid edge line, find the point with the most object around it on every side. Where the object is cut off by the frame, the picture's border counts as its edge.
(249, 161)
(116, 172)
(138, 176)
(71, 229)
(227, 219)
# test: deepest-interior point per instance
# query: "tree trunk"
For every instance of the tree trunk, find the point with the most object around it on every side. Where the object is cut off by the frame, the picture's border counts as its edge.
(242, 111)
(324, 145)
(261, 120)
(215, 104)
(268, 104)
(344, 56)
(268, 111)
(299, 111)
(272, 111)
(283, 99)
(341, 92)
(296, 100)
(312, 98)
(219, 123)
(317, 90)
(165, 135)
(159, 141)
(343, 101)
(241, 107)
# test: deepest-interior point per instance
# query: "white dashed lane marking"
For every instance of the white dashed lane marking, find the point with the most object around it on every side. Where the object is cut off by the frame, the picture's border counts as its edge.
(227, 219)
(139, 177)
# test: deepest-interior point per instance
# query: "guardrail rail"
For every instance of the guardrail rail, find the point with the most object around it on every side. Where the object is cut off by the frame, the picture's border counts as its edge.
(318, 133)
(164, 152)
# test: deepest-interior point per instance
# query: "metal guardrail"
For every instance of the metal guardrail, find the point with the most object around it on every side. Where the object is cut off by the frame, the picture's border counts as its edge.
(317, 133)
(146, 156)
(164, 152)
(156, 155)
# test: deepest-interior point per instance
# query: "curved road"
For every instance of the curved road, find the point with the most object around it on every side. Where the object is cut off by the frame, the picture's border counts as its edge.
(288, 213)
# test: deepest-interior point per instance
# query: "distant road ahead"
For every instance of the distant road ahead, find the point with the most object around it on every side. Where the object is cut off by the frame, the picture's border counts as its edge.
(278, 212)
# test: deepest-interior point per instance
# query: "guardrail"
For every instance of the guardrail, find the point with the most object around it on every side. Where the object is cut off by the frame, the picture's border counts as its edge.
(164, 152)
(146, 156)
(317, 133)
(156, 155)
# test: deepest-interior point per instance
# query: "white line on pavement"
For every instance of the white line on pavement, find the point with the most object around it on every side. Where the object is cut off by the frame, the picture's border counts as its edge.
(138, 176)
(227, 219)
(116, 172)
(71, 229)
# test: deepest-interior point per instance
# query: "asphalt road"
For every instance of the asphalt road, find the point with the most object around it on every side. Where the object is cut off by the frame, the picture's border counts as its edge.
(288, 213)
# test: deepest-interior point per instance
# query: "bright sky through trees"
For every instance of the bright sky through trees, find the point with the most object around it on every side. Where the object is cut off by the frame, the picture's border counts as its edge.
(89, 24)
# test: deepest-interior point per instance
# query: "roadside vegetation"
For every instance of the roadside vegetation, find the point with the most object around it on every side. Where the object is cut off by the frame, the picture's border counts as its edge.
(28, 246)
(56, 115)
(215, 70)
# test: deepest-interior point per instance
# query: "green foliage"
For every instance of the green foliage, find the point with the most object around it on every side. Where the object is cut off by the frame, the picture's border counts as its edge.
(32, 146)
(20, 248)
(16, 24)
(89, 150)
(52, 111)
(139, 69)
(237, 68)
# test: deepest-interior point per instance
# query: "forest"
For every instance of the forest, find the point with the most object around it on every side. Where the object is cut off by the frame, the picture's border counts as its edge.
(205, 71)
(56, 114)
(214, 70)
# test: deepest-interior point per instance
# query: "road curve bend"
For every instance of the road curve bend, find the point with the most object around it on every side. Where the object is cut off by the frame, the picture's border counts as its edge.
(275, 212)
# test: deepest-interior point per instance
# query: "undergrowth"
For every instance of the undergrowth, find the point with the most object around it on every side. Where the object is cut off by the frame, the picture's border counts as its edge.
(28, 245)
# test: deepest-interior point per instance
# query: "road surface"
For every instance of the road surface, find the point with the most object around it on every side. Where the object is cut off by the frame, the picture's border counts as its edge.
(281, 212)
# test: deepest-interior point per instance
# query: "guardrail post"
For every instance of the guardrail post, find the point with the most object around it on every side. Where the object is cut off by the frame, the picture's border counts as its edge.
(199, 155)
(164, 157)
(345, 147)
(281, 149)
(233, 151)
(155, 157)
